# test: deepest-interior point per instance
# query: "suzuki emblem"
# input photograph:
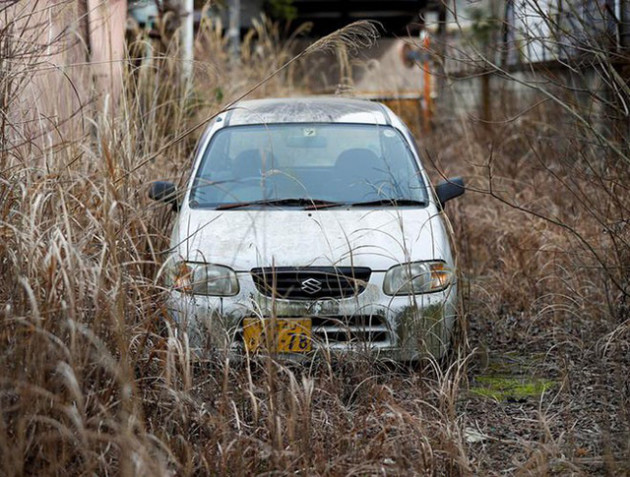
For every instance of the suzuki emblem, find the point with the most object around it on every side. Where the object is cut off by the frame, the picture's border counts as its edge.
(311, 286)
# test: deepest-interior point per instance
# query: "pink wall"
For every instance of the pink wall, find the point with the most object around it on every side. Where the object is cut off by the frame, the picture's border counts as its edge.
(60, 79)
(107, 23)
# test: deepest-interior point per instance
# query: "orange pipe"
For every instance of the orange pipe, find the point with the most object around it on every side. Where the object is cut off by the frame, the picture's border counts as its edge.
(428, 100)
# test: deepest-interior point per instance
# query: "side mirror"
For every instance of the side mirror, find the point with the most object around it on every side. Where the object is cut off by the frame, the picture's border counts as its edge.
(164, 191)
(449, 189)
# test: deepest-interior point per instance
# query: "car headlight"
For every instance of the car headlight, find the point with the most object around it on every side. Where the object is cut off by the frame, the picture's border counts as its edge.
(202, 279)
(417, 277)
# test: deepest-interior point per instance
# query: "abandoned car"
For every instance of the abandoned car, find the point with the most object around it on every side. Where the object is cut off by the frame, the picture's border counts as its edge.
(309, 224)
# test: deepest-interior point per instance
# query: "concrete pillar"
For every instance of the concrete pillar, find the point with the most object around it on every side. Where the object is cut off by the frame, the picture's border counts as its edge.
(234, 32)
(187, 42)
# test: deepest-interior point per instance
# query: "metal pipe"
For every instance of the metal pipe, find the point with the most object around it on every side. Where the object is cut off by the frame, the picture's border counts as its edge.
(187, 39)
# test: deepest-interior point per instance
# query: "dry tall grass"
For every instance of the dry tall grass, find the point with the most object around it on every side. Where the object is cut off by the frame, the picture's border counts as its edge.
(94, 381)
(543, 241)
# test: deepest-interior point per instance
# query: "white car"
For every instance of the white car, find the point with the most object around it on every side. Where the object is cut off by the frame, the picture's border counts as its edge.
(309, 224)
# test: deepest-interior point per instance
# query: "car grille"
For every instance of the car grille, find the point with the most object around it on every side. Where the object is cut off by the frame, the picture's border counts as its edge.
(356, 329)
(311, 283)
(340, 329)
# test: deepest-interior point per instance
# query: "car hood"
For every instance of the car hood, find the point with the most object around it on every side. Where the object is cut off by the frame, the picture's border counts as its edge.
(375, 238)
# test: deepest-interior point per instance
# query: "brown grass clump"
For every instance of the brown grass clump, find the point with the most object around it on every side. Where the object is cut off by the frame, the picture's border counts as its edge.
(543, 247)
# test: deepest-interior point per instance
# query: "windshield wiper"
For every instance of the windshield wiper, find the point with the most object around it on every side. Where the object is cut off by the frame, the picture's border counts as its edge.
(306, 203)
(392, 202)
(310, 204)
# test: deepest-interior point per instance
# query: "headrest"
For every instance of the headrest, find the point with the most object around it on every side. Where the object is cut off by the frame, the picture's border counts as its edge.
(361, 161)
(248, 163)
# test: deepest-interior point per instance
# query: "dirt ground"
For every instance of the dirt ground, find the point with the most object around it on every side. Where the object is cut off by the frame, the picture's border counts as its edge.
(578, 424)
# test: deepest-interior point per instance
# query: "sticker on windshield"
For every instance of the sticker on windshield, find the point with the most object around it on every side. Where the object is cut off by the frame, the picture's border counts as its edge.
(309, 132)
(389, 133)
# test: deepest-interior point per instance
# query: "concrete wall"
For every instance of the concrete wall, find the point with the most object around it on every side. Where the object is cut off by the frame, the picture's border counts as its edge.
(513, 92)
(107, 24)
(63, 63)
(47, 82)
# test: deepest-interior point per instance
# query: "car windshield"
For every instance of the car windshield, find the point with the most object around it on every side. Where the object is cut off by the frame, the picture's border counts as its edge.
(307, 165)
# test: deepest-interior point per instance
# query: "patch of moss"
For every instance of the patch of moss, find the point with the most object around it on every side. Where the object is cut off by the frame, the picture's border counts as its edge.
(510, 388)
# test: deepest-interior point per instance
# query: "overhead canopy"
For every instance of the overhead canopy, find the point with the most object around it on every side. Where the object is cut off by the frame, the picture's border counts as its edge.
(329, 15)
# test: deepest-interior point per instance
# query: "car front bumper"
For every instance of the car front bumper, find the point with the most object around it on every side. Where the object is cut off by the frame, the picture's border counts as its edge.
(402, 328)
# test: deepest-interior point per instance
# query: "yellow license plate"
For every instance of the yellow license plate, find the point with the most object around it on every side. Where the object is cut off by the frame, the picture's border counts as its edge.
(289, 336)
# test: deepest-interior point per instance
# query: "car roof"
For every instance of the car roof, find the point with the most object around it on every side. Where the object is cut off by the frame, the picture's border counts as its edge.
(315, 109)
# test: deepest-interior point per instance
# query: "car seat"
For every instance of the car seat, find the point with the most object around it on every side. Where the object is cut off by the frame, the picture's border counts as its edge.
(248, 163)
(362, 171)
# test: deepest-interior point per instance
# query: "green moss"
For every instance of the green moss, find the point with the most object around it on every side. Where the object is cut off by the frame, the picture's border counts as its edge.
(508, 388)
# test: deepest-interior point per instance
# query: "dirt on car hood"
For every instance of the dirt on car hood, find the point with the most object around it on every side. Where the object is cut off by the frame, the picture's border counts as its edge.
(244, 239)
